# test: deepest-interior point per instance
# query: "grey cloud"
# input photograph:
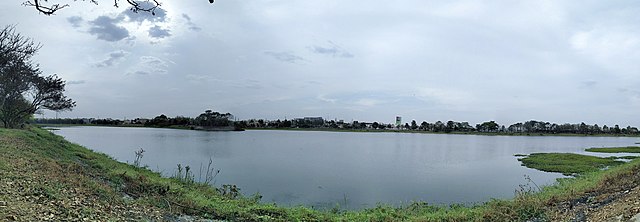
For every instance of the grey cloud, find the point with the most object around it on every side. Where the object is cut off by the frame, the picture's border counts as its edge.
(237, 83)
(589, 83)
(153, 61)
(76, 21)
(192, 26)
(107, 28)
(284, 56)
(112, 59)
(76, 82)
(159, 15)
(140, 73)
(150, 65)
(159, 32)
(332, 49)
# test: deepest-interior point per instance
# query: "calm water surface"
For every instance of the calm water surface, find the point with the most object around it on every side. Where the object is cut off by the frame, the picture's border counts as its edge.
(355, 170)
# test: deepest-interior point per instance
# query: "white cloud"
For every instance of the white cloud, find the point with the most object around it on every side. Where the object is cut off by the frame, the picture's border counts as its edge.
(192, 26)
(76, 82)
(159, 32)
(285, 56)
(331, 49)
(151, 65)
(112, 59)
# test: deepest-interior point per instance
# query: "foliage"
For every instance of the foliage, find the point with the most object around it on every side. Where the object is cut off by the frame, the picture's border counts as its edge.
(23, 89)
(490, 126)
(567, 163)
(629, 149)
(213, 119)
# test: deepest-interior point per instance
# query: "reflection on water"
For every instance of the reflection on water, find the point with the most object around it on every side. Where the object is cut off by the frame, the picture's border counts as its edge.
(354, 170)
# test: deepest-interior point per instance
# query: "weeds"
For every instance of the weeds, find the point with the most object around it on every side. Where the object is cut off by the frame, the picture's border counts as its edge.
(210, 174)
(230, 191)
(185, 174)
(139, 155)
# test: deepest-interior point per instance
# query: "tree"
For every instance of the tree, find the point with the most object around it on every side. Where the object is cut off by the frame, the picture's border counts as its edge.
(490, 126)
(424, 125)
(49, 7)
(23, 89)
(213, 119)
(450, 126)
(414, 125)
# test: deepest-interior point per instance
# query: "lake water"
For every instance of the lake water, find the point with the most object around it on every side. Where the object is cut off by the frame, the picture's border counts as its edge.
(354, 170)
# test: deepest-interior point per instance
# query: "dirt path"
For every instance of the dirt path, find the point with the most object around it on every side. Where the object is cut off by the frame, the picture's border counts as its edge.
(617, 199)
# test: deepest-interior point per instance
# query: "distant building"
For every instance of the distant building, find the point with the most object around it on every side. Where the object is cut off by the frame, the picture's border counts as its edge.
(307, 122)
(140, 121)
(316, 121)
(398, 121)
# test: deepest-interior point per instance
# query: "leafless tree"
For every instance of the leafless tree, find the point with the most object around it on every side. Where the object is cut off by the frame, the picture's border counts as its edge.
(50, 7)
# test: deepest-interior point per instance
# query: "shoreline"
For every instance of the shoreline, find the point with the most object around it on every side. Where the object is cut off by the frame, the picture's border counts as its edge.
(81, 172)
(361, 131)
(444, 133)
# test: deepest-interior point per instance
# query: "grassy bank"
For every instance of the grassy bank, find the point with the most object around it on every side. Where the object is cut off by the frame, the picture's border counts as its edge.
(45, 176)
(628, 149)
(568, 163)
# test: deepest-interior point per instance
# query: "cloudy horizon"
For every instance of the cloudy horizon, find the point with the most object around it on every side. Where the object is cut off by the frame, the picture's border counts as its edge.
(556, 61)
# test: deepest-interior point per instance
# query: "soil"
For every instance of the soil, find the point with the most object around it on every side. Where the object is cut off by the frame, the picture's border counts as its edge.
(618, 201)
(39, 189)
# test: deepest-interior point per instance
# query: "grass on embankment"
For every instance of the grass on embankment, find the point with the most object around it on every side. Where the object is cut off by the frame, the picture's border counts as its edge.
(110, 179)
(567, 163)
(629, 149)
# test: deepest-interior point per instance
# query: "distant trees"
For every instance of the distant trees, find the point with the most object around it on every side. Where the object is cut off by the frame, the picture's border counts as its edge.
(534, 126)
(159, 121)
(490, 126)
(23, 89)
(213, 119)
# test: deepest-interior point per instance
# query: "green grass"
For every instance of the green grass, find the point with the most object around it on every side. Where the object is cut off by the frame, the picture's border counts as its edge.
(629, 149)
(567, 163)
(110, 178)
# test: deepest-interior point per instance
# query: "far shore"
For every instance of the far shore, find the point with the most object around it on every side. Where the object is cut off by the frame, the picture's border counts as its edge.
(453, 133)
(366, 131)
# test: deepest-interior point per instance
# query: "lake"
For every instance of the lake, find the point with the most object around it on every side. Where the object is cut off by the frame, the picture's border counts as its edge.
(353, 169)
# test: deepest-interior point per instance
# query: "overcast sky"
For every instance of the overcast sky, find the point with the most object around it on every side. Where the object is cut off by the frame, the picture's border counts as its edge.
(509, 61)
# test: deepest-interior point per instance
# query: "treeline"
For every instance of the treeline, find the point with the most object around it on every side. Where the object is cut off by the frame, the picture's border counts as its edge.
(207, 119)
(210, 119)
(582, 128)
(77, 121)
(528, 127)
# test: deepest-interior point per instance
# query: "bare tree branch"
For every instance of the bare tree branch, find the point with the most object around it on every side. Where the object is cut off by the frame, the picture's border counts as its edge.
(47, 10)
(136, 5)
